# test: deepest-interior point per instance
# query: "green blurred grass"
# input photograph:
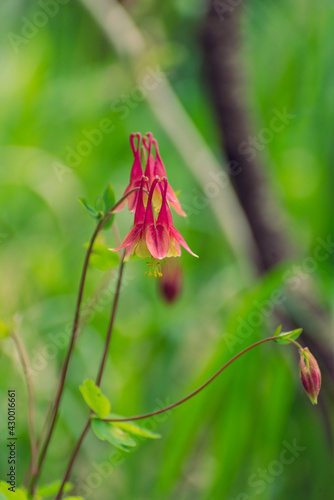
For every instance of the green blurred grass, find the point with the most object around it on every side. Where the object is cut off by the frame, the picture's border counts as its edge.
(63, 82)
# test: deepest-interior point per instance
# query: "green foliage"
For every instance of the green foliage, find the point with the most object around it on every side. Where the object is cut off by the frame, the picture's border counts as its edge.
(50, 98)
(73, 498)
(91, 210)
(102, 205)
(19, 493)
(107, 431)
(118, 433)
(95, 399)
(103, 258)
(109, 201)
(50, 490)
(285, 338)
(5, 329)
(134, 429)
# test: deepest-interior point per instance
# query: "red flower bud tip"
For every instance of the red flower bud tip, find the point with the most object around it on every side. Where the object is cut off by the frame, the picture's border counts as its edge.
(310, 374)
(171, 281)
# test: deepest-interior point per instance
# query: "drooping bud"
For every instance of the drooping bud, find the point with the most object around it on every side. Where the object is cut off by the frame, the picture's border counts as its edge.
(171, 281)
(310, 374)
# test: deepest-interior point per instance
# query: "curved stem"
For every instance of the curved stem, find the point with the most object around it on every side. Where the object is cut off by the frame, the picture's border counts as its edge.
(24, 360)
(64, 369)
(98, 379)
(192, 394)
(73, 458)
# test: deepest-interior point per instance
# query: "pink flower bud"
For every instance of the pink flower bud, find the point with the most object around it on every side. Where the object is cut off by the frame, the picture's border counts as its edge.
(310, 374)
(171, 281)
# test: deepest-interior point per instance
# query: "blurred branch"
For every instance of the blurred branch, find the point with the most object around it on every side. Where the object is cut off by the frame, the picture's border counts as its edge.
(25, 363)
(129, 43)
(98, 378)
(221, 43)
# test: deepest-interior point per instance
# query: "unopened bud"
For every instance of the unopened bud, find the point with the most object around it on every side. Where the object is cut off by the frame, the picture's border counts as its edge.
(171, 281)
(310, 374)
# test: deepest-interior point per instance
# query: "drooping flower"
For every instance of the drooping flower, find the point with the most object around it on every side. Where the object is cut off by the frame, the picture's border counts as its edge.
(310, 374)
(155, 168)
(134, 241)
(171, 282)
(135, 175)
(163, 232)
(153, 234)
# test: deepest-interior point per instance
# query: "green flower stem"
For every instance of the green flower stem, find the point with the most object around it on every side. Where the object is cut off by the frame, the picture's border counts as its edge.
(192, 394)
(64, 369)
(294, 342)
(98, 381)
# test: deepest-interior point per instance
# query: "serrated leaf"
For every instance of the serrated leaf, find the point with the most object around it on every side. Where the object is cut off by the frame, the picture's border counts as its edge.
(91, 210)
(94, 398)
(293, 335)
(109, 200)
(107, 431)
(278, 331)
(50, 490)
(102, 258)
(134, 429)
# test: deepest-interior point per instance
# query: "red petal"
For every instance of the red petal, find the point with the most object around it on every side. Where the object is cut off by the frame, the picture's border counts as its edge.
(174, 232)
(131, 237)
(157, 240)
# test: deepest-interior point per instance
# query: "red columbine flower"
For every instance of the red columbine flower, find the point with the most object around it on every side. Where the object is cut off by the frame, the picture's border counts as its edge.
(153, 233)
(310, 374)
(135, 176)
(134, 241)
(155, 168)
(163, 239)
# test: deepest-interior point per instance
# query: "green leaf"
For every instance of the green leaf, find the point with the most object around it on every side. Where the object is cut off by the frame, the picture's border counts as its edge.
(109, 201)
(5, 329)
(102, 258)
(94, 398)
(73, 498)
(278, 331)
(107, 431)
(91, 210)
(50, 490)
(135, 429)
(99, 204)
(293, 335)
(5, 494)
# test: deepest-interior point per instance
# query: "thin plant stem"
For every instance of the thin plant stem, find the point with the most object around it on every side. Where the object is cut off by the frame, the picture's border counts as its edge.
(192, 394)
(24, 360)
(98, 380)
(111, 324)
(65, 366)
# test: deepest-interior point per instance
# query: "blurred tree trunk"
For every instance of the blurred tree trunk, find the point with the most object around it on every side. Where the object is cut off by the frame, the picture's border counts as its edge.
(221, 42)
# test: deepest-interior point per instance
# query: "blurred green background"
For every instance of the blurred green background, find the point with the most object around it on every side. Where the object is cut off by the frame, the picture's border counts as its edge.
(59, 82)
